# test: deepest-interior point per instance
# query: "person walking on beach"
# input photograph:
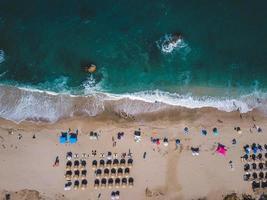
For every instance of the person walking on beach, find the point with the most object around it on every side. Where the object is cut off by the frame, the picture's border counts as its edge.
(144, 155)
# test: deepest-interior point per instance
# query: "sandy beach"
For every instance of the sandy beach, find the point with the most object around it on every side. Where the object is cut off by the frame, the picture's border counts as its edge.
(166, 172)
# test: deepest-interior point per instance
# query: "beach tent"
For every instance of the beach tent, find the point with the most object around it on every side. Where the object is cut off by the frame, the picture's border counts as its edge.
(73, 138)
(63, 138)
(221, 149)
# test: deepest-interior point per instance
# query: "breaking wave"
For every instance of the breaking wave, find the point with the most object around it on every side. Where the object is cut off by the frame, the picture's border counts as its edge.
(19, 104)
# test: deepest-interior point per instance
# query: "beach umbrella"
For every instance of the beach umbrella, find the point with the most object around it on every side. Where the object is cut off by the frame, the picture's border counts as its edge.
(221, 149)
(113, 195)
(110, 182)
(96, 184)
(165, 141)
(204, 132)
(215, 131)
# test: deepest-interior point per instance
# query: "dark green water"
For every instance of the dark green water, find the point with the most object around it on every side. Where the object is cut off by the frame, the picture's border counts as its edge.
(46, 43)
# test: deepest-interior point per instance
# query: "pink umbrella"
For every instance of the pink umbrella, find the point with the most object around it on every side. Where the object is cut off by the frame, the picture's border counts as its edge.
(221, 149)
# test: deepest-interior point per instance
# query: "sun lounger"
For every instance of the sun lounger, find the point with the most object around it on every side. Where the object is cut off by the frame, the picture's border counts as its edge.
(96, 183)
(117, 182)
(103, 182)
(76, 185)
(110, 182)
(113, 172)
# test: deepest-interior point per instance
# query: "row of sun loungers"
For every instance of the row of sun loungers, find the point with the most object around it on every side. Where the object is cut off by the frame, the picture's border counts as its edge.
(113, 182)
(255, 167)
(255, 148)
(255, 176)
(76, 174)
(76, 165)
(112, 163)
(254, 157)
(259, 184)
(76, 185)
(115, 195)
(119, 172)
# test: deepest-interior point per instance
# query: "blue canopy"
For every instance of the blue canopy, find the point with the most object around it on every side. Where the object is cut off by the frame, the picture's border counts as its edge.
(73, 138)
(63, 139)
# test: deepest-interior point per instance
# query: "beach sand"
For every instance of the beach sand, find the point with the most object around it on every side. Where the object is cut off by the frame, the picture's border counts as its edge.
(26, 164)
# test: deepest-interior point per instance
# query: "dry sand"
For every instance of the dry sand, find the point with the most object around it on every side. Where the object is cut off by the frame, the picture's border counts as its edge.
(166, 173)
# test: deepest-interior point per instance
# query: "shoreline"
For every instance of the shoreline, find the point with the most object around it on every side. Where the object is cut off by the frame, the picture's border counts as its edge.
(19, 104)
(179, 174)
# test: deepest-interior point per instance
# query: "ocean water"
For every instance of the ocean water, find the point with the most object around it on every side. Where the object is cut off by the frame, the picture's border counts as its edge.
(44, 46)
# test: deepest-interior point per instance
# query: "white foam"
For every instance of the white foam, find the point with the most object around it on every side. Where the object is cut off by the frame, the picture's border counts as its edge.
(22, 104)
(243, 104)
(167, 45)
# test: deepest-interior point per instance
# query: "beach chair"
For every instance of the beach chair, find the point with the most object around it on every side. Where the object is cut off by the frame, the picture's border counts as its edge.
(68, 165)
(115, 163)
(96, 183)
(113, 172)
(117, 195)
(76, 174)
(247, 177)
(106, 172)
(103, 182)
(130, 182)
(110, 182)
(117, 182)
(244, 158)
(67, 186)
(122, 162)
(261, 175)
(130, 162)
(98, 173)
(255, 185)
(126, 171)
(68, 175)
(119, 172)
(69, 155)
(83, 164)
(254, 166)
(113, 195)
(102, 163)
(94, 164)
(83, 184)
(254, 175)
(76, 185)
(83, 173)
(259, 156)
(76, 164)
(260, 166)
(108, 163)
(124, 182)
(264, 184)
(246, 167)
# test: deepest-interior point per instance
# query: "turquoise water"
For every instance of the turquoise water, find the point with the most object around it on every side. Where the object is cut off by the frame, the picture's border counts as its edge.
(47, 43)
